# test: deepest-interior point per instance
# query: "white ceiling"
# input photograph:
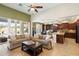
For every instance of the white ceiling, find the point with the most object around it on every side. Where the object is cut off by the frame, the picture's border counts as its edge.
(63, 13)
(50, 11)
(24, 9)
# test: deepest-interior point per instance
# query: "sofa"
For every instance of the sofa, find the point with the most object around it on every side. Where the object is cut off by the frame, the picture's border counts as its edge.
(15, 41)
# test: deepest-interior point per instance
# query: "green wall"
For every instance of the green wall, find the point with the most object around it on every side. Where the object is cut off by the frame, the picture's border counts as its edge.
(14, 14)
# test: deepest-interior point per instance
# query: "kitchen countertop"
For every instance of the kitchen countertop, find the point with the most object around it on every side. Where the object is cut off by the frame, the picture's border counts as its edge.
(71, 31)
(60, 33)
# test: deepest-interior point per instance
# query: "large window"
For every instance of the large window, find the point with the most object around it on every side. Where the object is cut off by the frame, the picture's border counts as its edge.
(3, 27)
(25, 28)
(18, 27)
(13, 27)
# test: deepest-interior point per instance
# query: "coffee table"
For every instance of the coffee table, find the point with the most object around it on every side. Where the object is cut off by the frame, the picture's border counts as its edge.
(32, 48)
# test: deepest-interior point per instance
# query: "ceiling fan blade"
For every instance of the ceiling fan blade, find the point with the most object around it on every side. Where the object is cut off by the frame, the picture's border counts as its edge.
(38, 6)
(31, 6)
(36, 10)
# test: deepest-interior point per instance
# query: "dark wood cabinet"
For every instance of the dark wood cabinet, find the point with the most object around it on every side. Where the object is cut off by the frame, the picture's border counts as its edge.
(70, 35)
(46, 27)
(68, 26)
(60, 38)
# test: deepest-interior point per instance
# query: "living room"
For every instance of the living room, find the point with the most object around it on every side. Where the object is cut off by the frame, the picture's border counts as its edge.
(39, 29)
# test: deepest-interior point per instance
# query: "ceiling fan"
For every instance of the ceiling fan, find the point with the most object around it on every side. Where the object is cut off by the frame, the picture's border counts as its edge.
(32, 7)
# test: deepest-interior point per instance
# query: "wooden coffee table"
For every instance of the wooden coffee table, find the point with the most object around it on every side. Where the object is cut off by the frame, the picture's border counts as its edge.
(32, 48)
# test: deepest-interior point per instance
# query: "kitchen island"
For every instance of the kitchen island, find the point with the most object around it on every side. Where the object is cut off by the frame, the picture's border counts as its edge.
(60, 37)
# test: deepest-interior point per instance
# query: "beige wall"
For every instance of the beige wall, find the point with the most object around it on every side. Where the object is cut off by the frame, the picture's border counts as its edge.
(11, 13)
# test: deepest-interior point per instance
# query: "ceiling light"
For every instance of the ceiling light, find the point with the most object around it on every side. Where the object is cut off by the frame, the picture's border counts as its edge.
(32, 9)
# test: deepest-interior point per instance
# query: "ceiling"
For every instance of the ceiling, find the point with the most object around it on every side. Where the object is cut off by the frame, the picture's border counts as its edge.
(64, 13)
(50, 9)
(24, 8)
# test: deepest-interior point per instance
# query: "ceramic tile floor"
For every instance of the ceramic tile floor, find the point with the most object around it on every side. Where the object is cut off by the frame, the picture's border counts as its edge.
(69, 48)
